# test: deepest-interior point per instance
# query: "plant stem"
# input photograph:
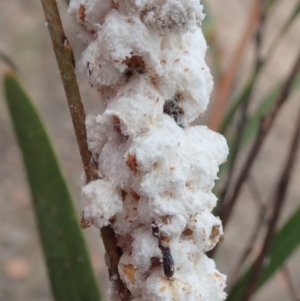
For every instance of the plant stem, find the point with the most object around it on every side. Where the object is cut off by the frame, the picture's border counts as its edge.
(261, 220)
(279, 198)
(243, 118)
(226, 81)
(65, 61)
(263, 62)
(265, 127)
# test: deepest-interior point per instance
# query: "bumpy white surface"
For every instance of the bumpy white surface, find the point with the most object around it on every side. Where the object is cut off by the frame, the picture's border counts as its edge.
(96, 211)
(146, 59)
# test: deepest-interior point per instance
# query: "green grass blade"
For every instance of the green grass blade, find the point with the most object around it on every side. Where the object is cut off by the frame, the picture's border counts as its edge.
(270, 4)
(68, 263)
(227, 120)
(285, 243)
(291, 19)
(253, 123)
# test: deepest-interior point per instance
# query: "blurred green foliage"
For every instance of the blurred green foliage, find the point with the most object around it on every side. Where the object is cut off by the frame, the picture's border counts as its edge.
(67, 259)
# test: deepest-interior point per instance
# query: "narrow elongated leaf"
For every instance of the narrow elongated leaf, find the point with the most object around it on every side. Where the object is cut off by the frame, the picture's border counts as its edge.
(227, 120)
(270, 4)
(284, 244)
(253, 123)
(291, 19)
(243, 96)
(69, 268)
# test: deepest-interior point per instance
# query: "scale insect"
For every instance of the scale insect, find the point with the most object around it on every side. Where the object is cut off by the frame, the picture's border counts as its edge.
(168, 261)
(172, 108)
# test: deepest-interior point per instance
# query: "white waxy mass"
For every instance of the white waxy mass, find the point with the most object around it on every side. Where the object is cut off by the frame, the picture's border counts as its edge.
(146, 60)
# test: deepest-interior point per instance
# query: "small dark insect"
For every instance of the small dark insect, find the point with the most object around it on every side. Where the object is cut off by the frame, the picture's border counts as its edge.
(168, 261)
(155, 230)
(172, 108)
(88, 68)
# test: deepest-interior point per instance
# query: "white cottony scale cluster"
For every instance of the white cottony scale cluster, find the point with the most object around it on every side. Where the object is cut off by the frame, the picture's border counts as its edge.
(146, 59)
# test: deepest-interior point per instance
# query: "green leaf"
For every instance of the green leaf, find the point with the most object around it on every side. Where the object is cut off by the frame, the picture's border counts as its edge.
(267, 103)
(270, 4)
(68, 263)
(291, 19)
(284, 244)
(253, 123)
(227, 120)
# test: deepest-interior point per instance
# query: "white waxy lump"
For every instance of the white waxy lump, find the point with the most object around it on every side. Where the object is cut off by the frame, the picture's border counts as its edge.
(146, 60)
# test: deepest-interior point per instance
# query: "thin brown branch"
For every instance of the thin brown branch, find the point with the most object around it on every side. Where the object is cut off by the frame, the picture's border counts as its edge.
(113, 255)
(261, 220)
(226, 80)
(279, 197)
(265, 126)
(250, 246)
(256, 195)
(65, 61)
(243, 118)
(259, 35)
(288, 281)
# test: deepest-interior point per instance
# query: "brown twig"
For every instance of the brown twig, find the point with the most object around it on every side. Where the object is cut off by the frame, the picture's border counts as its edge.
(260, 34)
(266, 125)
(113, 255)
(243, 118)
(261, 219)
(226, 80)
(65, 61)
(256, 195)
(279, 198)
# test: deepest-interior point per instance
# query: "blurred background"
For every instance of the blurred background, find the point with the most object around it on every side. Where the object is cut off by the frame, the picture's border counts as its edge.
(24, 37)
